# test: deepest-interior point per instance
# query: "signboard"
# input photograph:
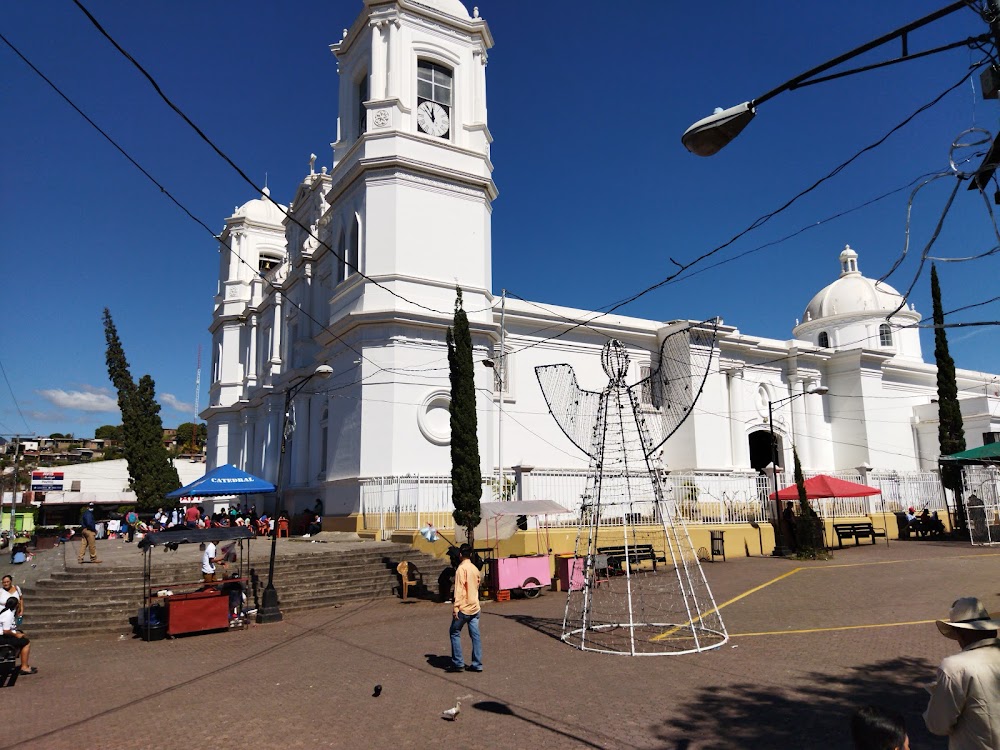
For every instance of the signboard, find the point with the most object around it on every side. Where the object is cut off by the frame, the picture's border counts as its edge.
(47, 481)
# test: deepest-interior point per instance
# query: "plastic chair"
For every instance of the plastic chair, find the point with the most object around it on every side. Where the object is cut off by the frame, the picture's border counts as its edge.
(281, 528)
(602, 573)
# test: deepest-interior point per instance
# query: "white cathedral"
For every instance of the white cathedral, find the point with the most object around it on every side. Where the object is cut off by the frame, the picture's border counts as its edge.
(359, 272)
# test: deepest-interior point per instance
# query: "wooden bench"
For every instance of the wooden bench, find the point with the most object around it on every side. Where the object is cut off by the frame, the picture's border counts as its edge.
(857, 530)
(634, 553)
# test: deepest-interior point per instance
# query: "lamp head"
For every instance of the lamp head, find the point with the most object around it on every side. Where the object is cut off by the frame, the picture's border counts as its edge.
(323, 371)
(819, 390)
(489, 363)
(709, 135)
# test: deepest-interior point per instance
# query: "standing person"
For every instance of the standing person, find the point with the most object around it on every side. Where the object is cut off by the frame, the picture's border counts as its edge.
(209, 561)
(788, 519)
(874, 728)
(465, 611)
(966, 694)
(89, 533)
(11, 636)
(191, 516)
(131, 519)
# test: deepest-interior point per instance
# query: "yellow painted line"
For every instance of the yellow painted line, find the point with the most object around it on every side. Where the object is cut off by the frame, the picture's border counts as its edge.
(827, 630)
(669, 632)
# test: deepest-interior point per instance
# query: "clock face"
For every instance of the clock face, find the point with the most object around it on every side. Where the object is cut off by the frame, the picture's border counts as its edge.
(432, 118)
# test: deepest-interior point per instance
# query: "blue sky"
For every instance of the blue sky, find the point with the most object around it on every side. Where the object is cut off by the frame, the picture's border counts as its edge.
(587, 101)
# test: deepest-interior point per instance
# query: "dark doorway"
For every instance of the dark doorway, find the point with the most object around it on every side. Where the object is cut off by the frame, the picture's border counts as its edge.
(762, 451)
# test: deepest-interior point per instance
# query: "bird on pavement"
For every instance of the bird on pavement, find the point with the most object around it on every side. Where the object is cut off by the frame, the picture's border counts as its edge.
(377, 692)
(452, 713)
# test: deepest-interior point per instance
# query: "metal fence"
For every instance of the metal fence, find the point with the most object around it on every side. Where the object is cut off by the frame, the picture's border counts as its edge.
(982, 504)
(411, 502)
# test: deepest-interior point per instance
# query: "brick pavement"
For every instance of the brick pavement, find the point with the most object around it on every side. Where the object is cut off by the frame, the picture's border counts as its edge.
(307, 682)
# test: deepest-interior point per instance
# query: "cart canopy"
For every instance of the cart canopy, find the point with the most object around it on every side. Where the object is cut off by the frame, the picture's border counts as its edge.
(187, 536)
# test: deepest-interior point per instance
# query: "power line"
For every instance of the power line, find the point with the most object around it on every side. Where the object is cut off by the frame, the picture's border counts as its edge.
(231, 163)
(14, 398)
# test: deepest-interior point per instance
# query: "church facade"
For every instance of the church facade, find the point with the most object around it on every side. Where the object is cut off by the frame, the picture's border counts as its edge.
(357, 275)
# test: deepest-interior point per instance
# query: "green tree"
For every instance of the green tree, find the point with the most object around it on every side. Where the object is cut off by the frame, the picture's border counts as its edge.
(951, 431)
(466, 479)
(189, 437)
(808, 531)
(151, 474)
(57, 436)
(108, 432)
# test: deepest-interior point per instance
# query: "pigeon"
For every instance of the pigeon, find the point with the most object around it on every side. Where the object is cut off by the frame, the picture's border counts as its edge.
(452, 713)
(377, 692)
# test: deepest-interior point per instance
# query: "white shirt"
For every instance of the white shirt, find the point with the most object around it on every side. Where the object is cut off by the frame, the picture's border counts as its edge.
(965, 698)
(6, 619)
(5, 594)
(208, 559)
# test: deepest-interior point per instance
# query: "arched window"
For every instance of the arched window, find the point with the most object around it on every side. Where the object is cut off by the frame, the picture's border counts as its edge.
(824, 339)
(884, 335)
(433, 99)
(353, 245)
(362, 110)
(338, 252)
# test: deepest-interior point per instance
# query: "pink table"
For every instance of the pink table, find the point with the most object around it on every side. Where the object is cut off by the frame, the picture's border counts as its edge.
(569, 570)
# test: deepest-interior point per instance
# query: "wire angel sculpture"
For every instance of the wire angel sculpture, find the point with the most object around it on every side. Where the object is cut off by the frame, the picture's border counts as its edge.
(637, 588)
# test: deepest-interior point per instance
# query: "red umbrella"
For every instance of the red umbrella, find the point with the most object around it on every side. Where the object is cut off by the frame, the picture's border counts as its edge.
(822, 485)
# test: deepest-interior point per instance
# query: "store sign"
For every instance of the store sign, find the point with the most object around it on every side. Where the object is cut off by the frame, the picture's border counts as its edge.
(47, 481)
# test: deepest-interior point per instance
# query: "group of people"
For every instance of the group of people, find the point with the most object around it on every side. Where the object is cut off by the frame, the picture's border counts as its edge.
(926, 524)
(964, 703)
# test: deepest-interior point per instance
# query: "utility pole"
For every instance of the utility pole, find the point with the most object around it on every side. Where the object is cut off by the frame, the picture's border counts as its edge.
(13, 494)
(501, 374)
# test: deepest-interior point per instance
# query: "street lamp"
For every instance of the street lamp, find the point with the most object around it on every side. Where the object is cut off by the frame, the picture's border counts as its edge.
(709, 135)
(498, 367)
(779, 547)
(269, 611)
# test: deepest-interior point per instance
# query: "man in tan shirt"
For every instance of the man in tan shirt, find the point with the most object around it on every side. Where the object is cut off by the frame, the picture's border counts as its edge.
(465, 611)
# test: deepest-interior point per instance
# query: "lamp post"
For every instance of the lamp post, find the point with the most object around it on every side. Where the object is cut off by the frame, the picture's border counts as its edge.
(779, 547)
(709, 135)
(498, 368)
(269, 610)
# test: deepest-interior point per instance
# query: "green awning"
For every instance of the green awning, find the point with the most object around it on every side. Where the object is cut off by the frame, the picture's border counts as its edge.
(990, 452)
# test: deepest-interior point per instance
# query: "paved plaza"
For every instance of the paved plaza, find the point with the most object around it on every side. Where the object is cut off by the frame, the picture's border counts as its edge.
(808, 642)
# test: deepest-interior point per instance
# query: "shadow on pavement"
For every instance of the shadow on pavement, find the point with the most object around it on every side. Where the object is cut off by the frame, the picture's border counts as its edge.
(502, 709)
(438, 662)
(764, 717)
(549, 626)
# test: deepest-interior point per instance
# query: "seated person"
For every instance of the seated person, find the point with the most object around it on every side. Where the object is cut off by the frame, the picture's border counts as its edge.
(19, 553)
(931, 524)
(10, 636)
(912, 522)
(315, 526)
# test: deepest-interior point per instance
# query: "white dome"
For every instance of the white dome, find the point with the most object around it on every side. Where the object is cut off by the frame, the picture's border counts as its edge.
(852, 293)
(262, 210)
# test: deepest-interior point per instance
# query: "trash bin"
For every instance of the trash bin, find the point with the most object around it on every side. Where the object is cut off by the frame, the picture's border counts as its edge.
(718, 545)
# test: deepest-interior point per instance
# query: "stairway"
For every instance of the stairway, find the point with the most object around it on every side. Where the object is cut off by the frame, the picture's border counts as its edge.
(85, 600)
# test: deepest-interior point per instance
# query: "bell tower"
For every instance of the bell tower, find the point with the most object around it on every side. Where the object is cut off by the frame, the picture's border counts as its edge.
(413, 150)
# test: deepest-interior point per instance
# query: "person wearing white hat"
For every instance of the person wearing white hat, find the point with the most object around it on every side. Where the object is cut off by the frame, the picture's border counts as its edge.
(965, 697)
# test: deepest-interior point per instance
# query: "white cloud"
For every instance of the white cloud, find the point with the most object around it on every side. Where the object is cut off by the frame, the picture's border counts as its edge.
(171, 401)
(89, 399)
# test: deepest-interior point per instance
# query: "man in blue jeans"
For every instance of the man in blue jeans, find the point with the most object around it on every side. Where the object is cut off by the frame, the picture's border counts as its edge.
(465, 611)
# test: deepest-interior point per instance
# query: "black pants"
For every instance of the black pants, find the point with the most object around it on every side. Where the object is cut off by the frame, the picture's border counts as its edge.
(17, 641)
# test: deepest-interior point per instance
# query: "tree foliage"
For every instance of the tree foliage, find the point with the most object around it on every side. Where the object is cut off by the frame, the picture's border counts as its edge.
(190, 436)
(808, 528)
(151, 474)
(951, 431)
(466, 478)
(108, 432)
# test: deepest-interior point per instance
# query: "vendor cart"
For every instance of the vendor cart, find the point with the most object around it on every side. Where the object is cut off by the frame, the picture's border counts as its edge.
(526, 574)
(193, 606)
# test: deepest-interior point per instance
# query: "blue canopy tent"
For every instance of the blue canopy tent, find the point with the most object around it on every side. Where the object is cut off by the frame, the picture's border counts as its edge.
(224, 480)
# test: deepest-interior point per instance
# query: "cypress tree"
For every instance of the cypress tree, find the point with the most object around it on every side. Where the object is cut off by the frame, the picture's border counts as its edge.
(151, 474)
(951, 432)
(466, 479)
(808, 536)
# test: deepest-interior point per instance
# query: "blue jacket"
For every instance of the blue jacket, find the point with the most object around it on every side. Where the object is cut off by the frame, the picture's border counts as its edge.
(88, 520)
